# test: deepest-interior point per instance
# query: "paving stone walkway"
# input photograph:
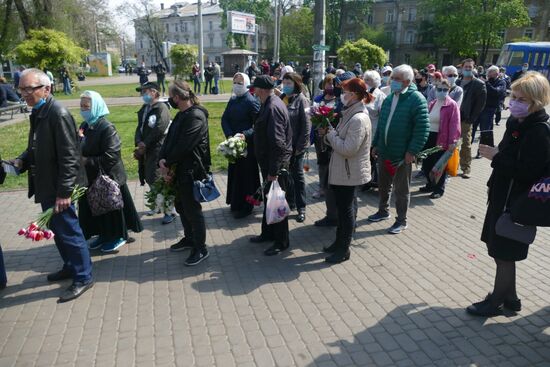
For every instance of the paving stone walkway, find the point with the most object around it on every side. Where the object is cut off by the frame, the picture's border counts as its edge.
(399, 301)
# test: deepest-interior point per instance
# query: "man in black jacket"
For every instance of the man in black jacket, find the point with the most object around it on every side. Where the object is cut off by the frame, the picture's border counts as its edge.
(475, 94)
(53, 162)
(187, 150)
(273, 144)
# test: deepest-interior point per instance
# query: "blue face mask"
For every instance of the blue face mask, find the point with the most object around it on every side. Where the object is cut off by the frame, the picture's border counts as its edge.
(396, 86)
(288, 89)
(525, 68)
(86, 115)
(441, 95)
(147, 98)
(467, 73)
(39, 104)
(385, 80)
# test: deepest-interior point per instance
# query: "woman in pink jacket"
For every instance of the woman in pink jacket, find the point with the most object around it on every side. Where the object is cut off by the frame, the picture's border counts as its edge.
(444, 131)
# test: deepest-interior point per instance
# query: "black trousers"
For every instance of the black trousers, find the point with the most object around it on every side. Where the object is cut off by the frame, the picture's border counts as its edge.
(296, 193)
(345, 197)
(278, 231)
(190, 211)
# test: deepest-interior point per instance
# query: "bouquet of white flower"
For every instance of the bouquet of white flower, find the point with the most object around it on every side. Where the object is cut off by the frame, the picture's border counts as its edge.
(233, 148)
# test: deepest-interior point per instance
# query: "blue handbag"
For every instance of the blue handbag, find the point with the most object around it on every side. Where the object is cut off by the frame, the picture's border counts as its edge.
(204, 190)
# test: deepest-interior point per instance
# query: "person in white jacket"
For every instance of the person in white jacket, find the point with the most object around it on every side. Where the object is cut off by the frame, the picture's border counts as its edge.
(350, 165)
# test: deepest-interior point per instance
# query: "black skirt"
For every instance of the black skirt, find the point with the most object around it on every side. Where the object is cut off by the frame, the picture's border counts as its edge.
(243, 178)
(112, 225)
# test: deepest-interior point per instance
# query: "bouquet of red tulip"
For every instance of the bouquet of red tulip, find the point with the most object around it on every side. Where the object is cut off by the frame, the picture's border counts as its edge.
(322, 116)
(257, 198)
(39, 229)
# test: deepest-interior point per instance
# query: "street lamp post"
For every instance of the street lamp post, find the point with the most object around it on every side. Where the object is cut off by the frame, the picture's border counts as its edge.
(319, 56)
(201, 50)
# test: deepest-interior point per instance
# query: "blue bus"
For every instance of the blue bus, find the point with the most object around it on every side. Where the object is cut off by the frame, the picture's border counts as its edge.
(536, 54)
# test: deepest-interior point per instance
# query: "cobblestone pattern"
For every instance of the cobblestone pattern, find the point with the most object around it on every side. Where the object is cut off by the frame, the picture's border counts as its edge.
(399, 301)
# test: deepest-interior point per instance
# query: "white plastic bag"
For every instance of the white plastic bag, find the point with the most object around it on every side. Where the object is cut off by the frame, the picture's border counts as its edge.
(277, 208)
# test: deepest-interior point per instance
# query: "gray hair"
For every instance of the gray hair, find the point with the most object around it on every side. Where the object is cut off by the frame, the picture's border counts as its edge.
(450, 68)
(493, 68)
(43, 79)
(339, 72)
(372, 74)
(406, 71)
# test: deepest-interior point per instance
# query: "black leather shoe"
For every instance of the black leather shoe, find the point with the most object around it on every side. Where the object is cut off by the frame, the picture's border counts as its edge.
(74, 291)
(484, 308)
(259, 239)
(276, 249)
(331, 249)
(325, 222)
(426, 189)
(338, 257)
(60, 275)
(513, 305)
(301, 217)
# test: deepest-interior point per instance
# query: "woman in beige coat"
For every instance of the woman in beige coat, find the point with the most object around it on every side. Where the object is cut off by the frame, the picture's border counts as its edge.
(350, 162)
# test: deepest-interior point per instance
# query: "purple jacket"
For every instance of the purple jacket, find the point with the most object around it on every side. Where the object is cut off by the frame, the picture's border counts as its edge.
(449, 123)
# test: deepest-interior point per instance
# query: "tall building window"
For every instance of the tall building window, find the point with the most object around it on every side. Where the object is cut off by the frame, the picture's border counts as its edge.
(210, 26)
(211, 39)
(412, 14)
(370, 18)
(389, 16)
(528, 33)
(410, 37)
(184, 27)
(167, 27)
(140, 43)
(176, 28)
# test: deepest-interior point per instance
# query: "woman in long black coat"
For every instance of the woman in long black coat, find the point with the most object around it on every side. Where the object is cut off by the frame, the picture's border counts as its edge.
(243, 177)
(520, 160)
(100, 145)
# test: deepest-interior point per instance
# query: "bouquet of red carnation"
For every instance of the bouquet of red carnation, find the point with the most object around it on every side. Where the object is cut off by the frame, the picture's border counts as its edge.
(391, 167)
(322, 116)
(39, 229)
(257, 198)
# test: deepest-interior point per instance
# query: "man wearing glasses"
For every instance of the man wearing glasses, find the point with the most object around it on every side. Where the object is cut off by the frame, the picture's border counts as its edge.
(52, 160)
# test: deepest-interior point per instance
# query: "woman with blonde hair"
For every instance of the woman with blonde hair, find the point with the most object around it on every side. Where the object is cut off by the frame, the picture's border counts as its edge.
(520, 160)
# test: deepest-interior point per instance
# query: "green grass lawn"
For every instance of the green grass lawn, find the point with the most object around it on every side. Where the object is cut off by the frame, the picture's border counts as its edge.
(13, 139)
(125, 90)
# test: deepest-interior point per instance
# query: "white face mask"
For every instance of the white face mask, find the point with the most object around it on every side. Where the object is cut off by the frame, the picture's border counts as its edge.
(239, 89)
(343, 99)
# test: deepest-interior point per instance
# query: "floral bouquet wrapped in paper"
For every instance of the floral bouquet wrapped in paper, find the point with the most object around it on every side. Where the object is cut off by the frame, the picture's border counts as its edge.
(162, 196)
(233, 148)
(322, 116)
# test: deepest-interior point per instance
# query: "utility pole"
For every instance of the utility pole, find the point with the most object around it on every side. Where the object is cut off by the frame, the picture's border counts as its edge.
(277, 33)
(201, 51)
(319, 22)
(257, 41)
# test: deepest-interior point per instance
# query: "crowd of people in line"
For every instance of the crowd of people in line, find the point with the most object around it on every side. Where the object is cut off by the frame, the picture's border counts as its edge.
(387, 114)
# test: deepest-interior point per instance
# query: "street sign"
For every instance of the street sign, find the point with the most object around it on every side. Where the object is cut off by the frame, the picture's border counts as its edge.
(320, 48)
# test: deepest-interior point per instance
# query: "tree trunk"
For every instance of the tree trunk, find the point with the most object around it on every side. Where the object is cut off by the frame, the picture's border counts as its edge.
(24, 16)
(7, 16)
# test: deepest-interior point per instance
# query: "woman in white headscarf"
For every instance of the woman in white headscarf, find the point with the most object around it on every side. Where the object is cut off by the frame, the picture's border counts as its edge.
(243, 177)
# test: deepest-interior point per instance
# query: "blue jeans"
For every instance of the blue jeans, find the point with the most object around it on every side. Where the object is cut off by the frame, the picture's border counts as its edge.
(71, 244)
(3, 276)
(485, 124)
(67, 86)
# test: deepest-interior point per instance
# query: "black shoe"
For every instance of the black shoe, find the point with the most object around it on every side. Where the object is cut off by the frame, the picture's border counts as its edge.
(74, 291)
(426, 188)
(184, 244)
(484, 308)
(513, 305)
(331, 249)
(301, 217)
(3, 286)
(60, 275)
(478, 156)
(259, 239)
(325, 222)
(197, 256)
(276, 249)
(242, 214)
(436, 195)
(338, 257)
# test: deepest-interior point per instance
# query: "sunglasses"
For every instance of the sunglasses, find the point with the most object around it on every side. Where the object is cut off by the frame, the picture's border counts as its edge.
(452, 76)
(441, 89)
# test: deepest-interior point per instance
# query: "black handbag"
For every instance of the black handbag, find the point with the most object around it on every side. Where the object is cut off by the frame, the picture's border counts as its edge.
(104, 195)
(508, 228)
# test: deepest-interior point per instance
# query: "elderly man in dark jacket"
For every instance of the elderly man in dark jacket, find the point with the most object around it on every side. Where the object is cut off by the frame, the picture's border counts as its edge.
(273, 145)
(53, 161)
(473, 102)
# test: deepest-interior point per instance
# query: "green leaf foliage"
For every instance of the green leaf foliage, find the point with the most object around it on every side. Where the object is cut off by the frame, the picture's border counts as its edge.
(183, 57)
(356, 9)
(464, 26)
(363, 52)
(48, 48)
(296, 33)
